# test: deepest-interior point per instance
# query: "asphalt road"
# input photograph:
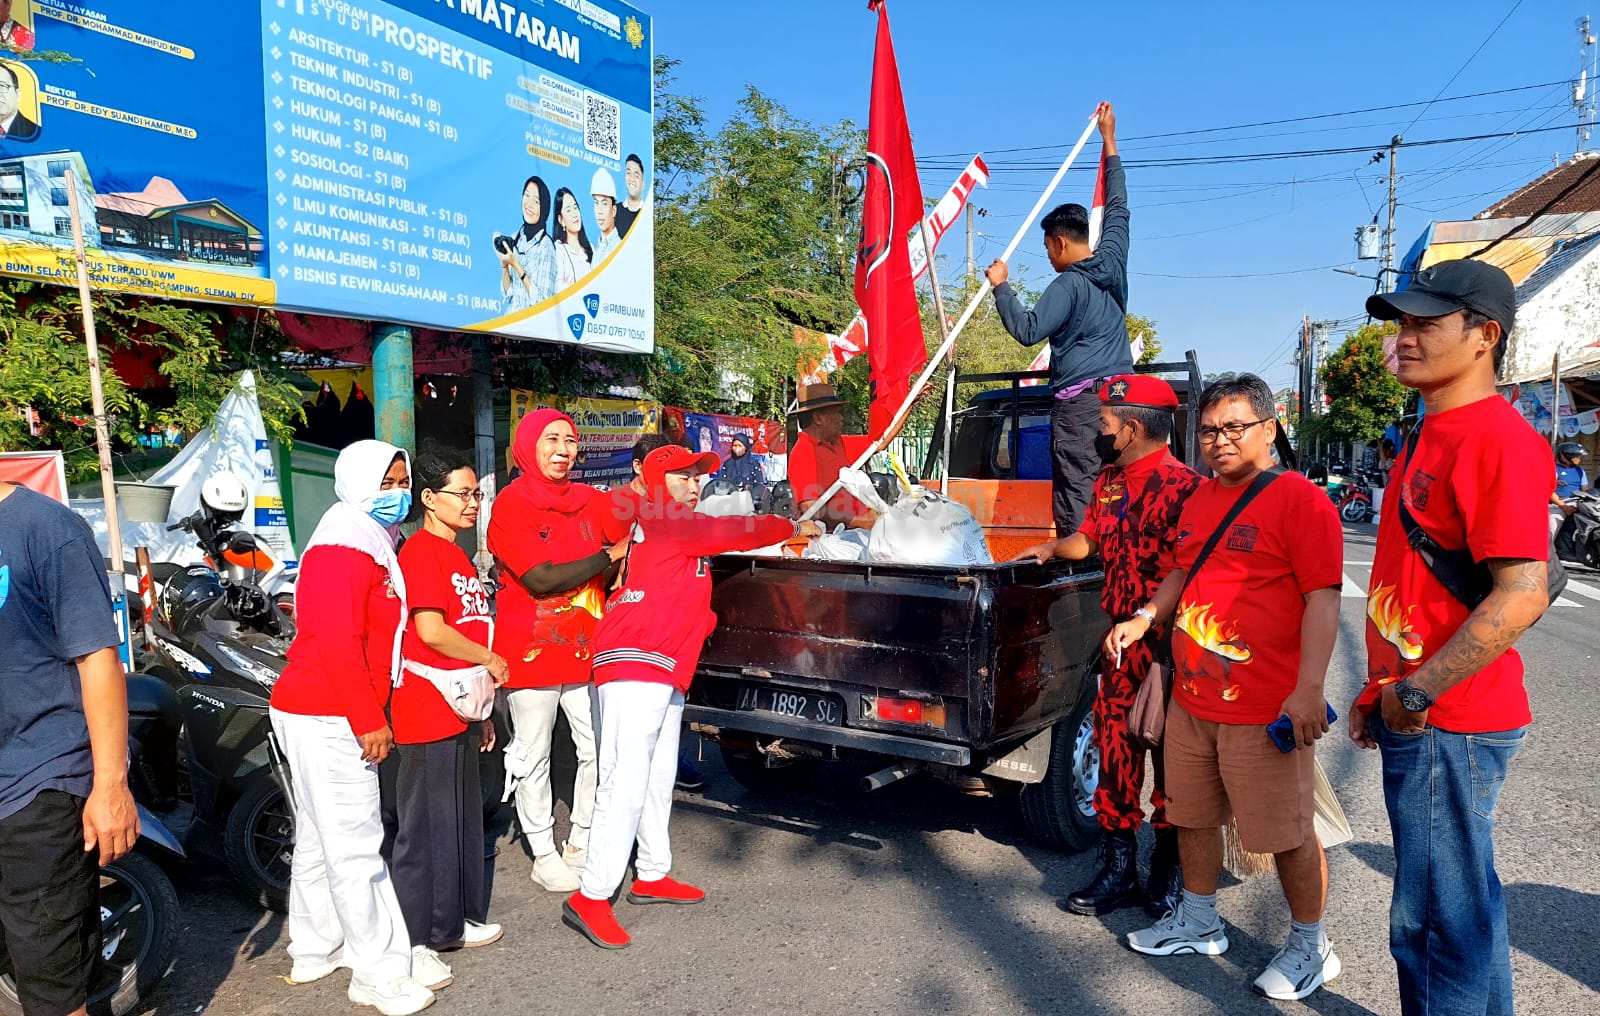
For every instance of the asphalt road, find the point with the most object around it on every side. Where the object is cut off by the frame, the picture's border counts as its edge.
(917, 900)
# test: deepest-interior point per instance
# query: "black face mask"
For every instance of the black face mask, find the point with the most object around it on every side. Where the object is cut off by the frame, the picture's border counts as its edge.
(1105, 446)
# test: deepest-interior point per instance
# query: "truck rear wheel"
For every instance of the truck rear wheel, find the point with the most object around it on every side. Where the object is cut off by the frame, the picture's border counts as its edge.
(1059, 811)
(752, 771)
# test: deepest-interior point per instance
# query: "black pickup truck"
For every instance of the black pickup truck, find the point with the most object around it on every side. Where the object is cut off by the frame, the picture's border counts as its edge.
(982, 676)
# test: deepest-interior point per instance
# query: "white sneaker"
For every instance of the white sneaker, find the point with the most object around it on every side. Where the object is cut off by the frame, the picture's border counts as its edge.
(400, 997)
(574, 857)
(480, 934)
(550, 872)
(428, 970)
(304, 972)
(1175, 936)
(1297, 972)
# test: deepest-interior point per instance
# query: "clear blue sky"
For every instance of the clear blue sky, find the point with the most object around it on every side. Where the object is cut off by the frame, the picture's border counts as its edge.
(991, 76)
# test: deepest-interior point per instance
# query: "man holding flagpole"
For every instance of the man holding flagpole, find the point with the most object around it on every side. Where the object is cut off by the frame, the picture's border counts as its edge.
(1083, 315)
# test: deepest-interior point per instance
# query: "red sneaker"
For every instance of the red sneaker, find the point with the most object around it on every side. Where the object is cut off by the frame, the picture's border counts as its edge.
(665, 890)
(595, 921)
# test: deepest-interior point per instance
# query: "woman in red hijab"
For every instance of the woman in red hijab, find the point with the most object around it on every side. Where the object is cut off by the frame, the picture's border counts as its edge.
(545, 534)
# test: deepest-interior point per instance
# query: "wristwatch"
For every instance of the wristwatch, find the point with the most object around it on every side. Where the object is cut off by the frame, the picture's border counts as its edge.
(1414, 699)
(1145, 613)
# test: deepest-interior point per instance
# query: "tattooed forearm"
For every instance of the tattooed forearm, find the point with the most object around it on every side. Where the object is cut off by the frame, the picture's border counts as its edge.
(1518, 599)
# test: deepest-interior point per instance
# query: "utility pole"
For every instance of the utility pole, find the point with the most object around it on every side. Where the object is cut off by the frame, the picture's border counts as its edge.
(1304, 361)
(972, 267)
(1386, 277)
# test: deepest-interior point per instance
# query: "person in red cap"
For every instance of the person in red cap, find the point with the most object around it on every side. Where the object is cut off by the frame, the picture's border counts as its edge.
(547, 534)
(646, 651)
(1132, 521)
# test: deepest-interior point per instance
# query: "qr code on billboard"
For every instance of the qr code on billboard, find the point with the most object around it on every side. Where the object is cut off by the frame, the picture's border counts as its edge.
(602, 125)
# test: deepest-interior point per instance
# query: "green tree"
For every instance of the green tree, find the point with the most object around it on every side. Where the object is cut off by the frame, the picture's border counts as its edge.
(44, 368)
(1363, 395)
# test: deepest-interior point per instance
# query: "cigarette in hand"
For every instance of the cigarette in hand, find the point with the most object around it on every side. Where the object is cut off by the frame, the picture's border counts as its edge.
(1118, 664)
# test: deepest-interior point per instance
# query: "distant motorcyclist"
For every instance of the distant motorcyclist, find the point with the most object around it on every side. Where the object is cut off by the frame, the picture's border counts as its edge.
(1570, 479)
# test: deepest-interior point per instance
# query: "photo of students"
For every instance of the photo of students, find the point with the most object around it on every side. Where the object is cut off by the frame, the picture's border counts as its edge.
(15, 25)
(633, 183)
(17, 93)
(528, 258)
(604, 190)
(574, 253)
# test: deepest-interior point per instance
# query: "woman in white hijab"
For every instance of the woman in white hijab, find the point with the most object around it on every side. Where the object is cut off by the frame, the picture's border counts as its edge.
(328, 716)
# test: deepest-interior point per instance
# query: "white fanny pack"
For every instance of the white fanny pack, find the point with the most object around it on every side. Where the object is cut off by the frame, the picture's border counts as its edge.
(469, 692)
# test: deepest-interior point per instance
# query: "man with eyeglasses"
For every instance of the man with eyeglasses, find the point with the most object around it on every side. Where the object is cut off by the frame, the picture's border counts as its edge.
(14, 126)
(1253, 630)
(1445, 700)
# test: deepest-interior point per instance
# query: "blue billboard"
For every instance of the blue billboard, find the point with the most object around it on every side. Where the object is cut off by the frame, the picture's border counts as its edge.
(471, 165)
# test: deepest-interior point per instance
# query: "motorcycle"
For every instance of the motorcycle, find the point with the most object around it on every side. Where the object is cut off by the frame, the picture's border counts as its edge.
(1578, 539)
(1354, 499)
(216, 645)
(138, 928)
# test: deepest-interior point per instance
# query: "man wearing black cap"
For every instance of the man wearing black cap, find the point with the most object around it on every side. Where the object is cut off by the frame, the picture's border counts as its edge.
(1444, 698)
(1132, 523)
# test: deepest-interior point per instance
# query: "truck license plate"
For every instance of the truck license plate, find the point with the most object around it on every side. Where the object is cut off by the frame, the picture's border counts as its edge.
(813, 708)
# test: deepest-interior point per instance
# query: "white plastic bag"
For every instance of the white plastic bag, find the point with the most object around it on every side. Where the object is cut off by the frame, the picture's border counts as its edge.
(860, 486)
(842, 545)
(740, 502)
(927, 528)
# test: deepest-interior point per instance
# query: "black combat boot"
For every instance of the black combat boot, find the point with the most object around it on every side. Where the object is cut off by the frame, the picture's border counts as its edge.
(1116, 884)
(1164, 888)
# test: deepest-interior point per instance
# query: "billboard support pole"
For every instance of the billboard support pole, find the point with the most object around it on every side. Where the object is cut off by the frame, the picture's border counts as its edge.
(394, 399)
(102, 426)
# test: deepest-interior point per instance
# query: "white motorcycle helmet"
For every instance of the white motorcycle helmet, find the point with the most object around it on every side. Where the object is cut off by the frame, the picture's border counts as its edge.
(224, 494)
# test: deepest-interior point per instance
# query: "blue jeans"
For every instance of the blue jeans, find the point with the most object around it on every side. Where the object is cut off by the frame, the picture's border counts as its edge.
(1447, 925)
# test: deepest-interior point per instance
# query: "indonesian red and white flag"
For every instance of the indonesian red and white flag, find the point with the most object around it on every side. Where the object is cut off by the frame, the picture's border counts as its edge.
(891, 211)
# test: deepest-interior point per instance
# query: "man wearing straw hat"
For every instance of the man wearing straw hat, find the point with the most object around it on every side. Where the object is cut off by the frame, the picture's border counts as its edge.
(1083, 315)
(1253, 599)
(820, 452)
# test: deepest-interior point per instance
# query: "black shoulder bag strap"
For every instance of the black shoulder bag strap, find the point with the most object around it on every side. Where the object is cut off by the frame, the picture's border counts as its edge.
(1461, 575)
(1260, 483)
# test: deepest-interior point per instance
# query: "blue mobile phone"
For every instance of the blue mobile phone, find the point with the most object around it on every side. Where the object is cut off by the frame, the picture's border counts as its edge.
(1282, 731)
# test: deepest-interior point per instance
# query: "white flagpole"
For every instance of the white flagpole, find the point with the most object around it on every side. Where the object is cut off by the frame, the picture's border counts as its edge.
(950, 340)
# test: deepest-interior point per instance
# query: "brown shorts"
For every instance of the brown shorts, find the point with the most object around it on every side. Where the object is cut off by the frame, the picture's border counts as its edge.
(1218, 770)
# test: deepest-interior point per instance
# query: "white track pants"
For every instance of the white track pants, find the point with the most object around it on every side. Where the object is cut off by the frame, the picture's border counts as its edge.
(340, 896)
(639, 725)
(533, 723)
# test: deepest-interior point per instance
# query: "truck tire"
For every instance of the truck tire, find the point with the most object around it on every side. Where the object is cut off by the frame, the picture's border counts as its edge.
(1059, 811)
(258, 840)
(749, 769)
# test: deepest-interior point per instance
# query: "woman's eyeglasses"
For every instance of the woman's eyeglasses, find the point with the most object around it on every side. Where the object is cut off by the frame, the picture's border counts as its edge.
(464, 495)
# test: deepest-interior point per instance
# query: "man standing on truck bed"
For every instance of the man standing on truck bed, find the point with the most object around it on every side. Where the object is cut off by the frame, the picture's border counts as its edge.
(1132, 523)
(1083, 314)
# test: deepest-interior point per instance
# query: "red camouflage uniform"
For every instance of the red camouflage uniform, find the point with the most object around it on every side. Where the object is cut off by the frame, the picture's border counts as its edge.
(1133, 516)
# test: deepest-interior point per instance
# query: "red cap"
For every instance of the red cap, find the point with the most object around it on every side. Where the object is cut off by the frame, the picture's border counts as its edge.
(676, 459)
(1139, 390)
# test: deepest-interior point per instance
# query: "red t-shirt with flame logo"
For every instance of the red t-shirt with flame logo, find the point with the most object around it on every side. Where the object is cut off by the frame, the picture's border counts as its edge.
(1236, 635)
(1480, 478)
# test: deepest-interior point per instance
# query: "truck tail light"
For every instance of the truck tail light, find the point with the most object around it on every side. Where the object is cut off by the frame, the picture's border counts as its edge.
(894, 709)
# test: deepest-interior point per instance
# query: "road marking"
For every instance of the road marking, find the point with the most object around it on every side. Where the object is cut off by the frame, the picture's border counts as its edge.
(1574, 586)
(1351, 589)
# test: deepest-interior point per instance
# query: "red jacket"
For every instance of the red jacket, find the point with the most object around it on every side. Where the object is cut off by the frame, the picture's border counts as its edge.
(657, 623)
(339, 662)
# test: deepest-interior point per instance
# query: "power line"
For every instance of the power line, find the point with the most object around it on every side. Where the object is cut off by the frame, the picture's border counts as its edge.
(1568, 189)
(1238, 157)
(1465, 63)
(1269, 123)
(1240, 275)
